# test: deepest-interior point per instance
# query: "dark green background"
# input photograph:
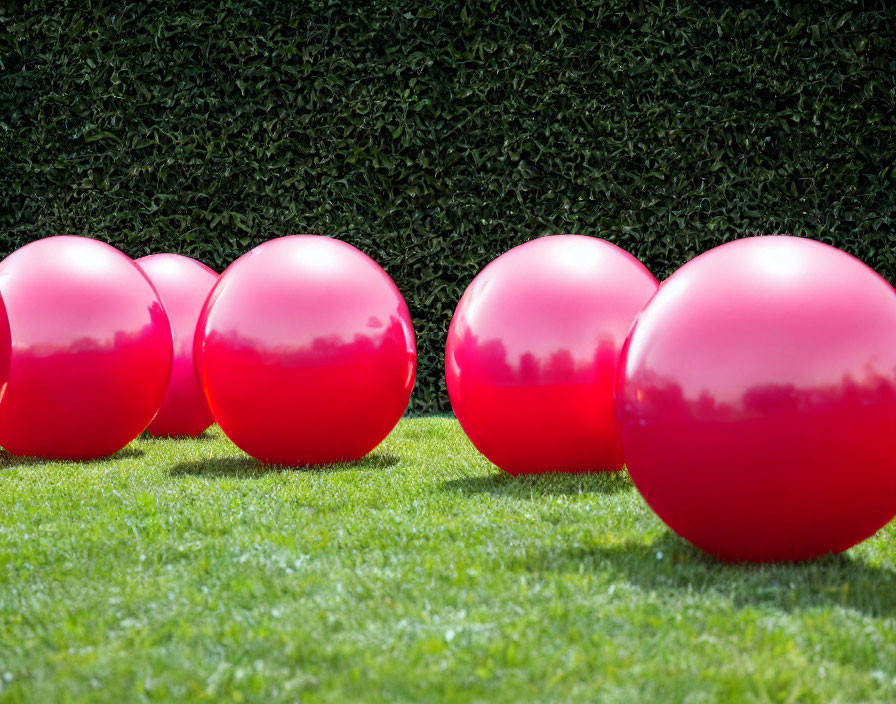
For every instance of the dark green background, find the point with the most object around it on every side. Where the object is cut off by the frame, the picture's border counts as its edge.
(434, 139)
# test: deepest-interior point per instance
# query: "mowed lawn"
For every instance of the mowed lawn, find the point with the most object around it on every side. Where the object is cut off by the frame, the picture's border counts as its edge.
(183, 571)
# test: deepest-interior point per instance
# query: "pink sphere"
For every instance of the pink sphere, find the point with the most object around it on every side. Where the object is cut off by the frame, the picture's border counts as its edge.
(305, 351)
(757, 400)
(91, 349)
(532, 353)
(183, 285)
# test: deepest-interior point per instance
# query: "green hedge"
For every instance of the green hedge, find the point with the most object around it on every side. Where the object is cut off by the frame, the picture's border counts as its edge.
(435, 138)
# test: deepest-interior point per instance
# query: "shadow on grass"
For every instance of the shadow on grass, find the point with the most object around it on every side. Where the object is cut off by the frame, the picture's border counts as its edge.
(248, 467)
(548, 484)
(204, 436)
(670, 564)
(8, 461)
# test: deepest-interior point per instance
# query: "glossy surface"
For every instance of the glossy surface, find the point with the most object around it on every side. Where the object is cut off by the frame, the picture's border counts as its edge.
(183, 285)
(91, 349)
(757, 400)
(532, 352)
(306, 352)
(5, 348)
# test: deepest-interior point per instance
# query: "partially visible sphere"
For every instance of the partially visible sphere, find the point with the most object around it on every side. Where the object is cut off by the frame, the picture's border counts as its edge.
(532, 352)
(183, 285)
(757, 400)
(5, 348)
(305, 351)
(91, 349)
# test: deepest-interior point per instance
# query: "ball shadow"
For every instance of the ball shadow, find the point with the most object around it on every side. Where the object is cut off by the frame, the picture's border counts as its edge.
(670, 564)
(549, 484)
(248, 467)
(204, 436)
(8, 461)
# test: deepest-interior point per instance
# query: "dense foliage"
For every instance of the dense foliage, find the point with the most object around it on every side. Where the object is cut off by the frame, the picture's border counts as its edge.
(434, 138)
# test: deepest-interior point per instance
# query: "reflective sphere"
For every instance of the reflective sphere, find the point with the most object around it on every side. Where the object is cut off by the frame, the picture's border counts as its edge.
(532, 353)
(183, 285)
(306, 352)
(5, 348)
(757, 400)
(91, 349)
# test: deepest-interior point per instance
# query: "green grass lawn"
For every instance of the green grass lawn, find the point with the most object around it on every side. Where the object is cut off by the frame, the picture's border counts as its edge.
(183, 571)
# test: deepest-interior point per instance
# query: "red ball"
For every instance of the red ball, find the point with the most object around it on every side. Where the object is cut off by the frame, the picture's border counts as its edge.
(532, 353)
(91, 349)
(305, 351)
(183, 285)
(757, 400)
(5, 348)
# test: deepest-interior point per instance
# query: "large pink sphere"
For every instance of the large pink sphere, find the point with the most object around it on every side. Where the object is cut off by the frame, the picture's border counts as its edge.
(183, 285)
(91, 349)
(306, 352)
(532, 353)
(757, 400)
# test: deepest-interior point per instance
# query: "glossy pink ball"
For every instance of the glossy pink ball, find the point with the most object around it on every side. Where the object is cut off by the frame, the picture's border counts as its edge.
(532, 352)
(183, 285)
(306, 352)
(757, 400)
(91, 349)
